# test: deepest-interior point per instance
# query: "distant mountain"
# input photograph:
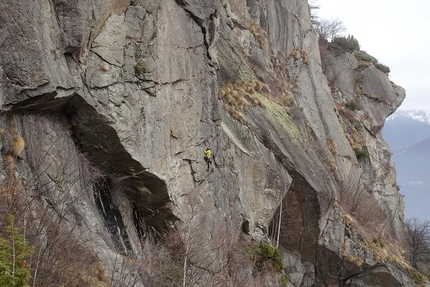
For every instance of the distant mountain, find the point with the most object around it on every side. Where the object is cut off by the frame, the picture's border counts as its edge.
(406, 128)
(408, 134)
(413, 166)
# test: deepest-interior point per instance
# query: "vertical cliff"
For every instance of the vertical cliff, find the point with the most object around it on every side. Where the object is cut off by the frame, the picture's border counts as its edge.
(116, 101)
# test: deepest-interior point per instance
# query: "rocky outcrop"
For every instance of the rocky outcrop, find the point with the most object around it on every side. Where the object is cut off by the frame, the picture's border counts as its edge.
(117, 100)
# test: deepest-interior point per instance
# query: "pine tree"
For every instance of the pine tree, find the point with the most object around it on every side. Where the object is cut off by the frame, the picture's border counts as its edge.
(14, 270)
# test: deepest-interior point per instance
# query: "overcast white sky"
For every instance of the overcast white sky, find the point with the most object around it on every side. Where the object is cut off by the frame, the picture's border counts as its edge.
(396, 32)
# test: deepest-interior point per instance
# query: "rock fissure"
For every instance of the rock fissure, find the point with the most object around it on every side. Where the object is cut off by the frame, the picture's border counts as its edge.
(193, 172)
(112, 216)
(207, 25)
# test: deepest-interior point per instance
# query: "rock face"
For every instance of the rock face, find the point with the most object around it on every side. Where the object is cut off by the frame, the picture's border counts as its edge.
(138, 89)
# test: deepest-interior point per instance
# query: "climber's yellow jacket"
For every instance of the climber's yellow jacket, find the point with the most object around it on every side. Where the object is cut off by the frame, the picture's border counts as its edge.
(207, 152)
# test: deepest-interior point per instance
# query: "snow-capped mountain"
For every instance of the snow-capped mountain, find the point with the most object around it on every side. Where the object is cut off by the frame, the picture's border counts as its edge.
(408, 134)
(417, 115)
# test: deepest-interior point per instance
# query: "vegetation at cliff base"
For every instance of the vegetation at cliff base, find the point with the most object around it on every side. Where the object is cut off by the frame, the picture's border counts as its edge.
(14, 269)
(265, 253)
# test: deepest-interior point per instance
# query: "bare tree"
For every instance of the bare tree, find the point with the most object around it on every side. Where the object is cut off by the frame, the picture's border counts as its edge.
(205, 257)
(357, 198)
(353, 193)
(418, 236)
(329, 29)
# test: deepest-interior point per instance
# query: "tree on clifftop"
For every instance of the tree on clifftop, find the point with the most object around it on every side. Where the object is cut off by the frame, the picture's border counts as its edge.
(330, 29)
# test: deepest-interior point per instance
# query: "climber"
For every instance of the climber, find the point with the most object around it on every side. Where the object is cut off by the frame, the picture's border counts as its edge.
(208, 156)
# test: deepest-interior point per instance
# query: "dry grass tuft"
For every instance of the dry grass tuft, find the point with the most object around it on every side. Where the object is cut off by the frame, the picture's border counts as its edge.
(332, 146)
(9, 162)
(259, 34)
(238, 115)
(286, 100)
(239, 94)
(18, 145)
(140, 67)
(261, 87)
(348, 219)
(298, 53)
(104, 68)
(293, 83)
(355, 260)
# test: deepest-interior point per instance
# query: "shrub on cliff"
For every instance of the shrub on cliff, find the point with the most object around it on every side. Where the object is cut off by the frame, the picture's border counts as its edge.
(368, 60)
(361, 153)
(266, 252)
(419, 278)
(382, 68)
(347, 43)
(364, 56)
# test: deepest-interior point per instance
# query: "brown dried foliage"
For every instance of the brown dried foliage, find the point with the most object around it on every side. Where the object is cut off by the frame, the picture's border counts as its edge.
(238, 94)
(259, 34)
